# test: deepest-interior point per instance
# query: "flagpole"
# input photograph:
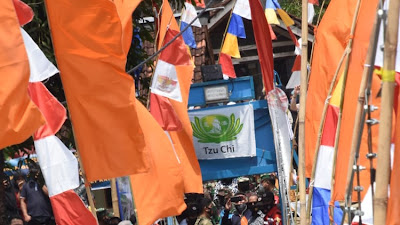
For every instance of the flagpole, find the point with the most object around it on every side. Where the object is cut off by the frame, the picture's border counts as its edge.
(360, 113)
(318, 143)
(87, 184)
(342, 91)
(114, 197)
(316, 25)
(302, 111)
(226, 29)
(385, 127)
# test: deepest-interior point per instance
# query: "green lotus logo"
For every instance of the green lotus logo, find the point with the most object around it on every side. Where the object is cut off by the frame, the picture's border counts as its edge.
(216, 128)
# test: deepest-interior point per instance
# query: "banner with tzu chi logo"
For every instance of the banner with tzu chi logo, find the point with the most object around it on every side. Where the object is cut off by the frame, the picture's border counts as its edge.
(226, 132)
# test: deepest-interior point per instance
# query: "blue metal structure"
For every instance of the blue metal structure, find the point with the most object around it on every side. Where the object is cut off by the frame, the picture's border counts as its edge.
(265, 160)
(239, 89)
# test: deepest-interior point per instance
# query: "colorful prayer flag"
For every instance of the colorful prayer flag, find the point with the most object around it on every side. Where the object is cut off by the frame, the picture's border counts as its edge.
(235, 30)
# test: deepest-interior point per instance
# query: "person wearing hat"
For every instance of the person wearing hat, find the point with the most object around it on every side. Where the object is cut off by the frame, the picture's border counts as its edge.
(268, 182)
(273, 215)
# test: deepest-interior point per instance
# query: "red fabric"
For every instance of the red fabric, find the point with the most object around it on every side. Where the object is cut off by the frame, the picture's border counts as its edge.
(274, 216)
(297, 64)
(271, 31)
(24, 12)
(294, 39)
(177, 53)
(329, 132)
(314, 2)
(264, 44)
(69, 209)
(226, 64)
(164, 113)
(50, 107)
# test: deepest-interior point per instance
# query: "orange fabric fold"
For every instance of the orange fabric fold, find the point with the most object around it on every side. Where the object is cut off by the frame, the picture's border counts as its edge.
(20, 118)
(331, 41)
(91, 39)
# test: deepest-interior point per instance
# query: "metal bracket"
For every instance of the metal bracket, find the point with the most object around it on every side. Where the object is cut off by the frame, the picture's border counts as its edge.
(371, 155)
(372, 121)
(358, 188)
(360, 168)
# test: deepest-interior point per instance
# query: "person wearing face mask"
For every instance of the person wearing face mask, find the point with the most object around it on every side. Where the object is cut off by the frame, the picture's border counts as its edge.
(35, 203)
(205, 216)
(254, 206)
(273, 215)
(241, 214)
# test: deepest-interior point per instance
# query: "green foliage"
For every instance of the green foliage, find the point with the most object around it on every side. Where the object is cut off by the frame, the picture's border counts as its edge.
(293, 7)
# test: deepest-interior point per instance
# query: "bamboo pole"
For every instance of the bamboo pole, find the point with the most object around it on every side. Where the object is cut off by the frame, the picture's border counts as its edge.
(87, 186)
(302, 111)
(385, 127)
(226, 29)
(360, 113)
(345, 74)
(318, 143)
(114, 197)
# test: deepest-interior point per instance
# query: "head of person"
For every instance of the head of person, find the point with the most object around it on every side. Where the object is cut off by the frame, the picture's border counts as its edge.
(239, 201)
(268, 200)
(114, 220)
(16, 220)
(243, 184)
(253, 203)
(19, 180)
(206, 206)
(268, 182)
(133, 219)
(6, 181)
(34, 170)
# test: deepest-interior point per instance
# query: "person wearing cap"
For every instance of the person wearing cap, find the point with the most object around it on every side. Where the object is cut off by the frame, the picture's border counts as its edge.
(268, 183)
(241, 214)
(273, 215)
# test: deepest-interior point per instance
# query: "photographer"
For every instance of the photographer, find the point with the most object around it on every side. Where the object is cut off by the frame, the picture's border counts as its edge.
(240, 215)
(35, 203)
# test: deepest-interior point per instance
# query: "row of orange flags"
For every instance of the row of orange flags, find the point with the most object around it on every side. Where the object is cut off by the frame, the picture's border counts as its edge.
(58, 164)
(331, 40)
(114, 133)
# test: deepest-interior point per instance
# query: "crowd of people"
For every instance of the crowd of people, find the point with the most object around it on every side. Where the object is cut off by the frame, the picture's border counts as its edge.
(248, 203)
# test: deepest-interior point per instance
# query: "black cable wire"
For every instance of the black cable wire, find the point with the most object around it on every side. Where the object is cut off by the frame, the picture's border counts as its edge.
(172, 40)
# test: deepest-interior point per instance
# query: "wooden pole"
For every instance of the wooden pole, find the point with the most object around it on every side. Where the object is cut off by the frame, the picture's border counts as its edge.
(385, 127)
(318, 143)
(87, 187)
(345, 74)
(302, 111)
(114, 197)
(343, 88)
(358, 124)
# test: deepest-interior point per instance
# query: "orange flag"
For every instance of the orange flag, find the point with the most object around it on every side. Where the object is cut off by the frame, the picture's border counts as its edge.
(332, 37)
(183, 139)
(20, 118)
(159, 192)
(394, 199)
(91, 50)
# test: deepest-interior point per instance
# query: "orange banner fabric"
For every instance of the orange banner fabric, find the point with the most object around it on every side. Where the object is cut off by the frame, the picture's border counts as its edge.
(331, 40)
(91, 49)
(20, 118)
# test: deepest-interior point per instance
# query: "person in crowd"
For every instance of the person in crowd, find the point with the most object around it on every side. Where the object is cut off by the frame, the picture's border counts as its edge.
(254, 206)
(35, 203)
(114, 220)
(240, 215)
(272, 213)
(10, 198)
(294, 106)
(18, 182)
(205, 215)
(102, 216)
(133, 219)
(268, 182)
(16, 220)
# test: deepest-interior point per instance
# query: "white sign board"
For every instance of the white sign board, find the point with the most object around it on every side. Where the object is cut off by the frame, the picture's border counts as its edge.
(226, 132)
